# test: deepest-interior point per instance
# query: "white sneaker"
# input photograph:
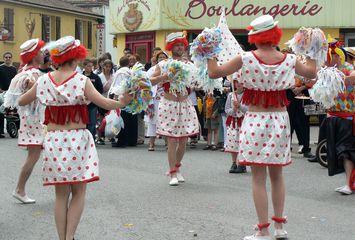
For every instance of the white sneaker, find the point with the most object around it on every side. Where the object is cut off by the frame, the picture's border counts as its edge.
(280, 234)
(300, 148)
(174, 182)
(254, 237)
(25, 199)
(180, 177)
(344, 190)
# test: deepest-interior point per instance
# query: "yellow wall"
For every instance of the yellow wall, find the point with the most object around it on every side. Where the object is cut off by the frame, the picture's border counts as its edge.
(121, 44)
(20, 33)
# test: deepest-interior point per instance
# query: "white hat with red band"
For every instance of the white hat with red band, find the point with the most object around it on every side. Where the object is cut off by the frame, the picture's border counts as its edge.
(29, 46)
(63, 45)
(262, 24)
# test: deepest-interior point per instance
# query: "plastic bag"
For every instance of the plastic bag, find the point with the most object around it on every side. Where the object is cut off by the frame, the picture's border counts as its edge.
(114, 124)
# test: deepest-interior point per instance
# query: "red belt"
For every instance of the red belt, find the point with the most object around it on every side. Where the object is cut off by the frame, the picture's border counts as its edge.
(344, 115)
(231, 120)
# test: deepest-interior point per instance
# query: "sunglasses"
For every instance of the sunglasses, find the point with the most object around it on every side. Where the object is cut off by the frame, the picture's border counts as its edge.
(7, 57)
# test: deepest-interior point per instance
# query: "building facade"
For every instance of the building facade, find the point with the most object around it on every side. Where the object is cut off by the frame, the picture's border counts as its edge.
(143, 24)
(49, 20)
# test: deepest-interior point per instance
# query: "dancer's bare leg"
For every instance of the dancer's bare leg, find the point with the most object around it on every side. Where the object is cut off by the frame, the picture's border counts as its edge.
(260, 196)
(181, 150)
(172, 148)
(234, 157)
(75, 210)
(349, 166)
(209, 137)
(34, 152)
(62, 193)
(278, 193)
(215, 137)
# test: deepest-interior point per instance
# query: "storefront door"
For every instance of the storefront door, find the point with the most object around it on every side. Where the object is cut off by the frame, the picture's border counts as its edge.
(141, 44)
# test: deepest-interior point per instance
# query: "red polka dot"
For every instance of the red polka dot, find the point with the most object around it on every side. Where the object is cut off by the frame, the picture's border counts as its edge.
(74, 158)
(50, 169)
(64, 179)
(262, 135)
(92, 174)
(74, 178)
(55, 159)
(60, 149)
(69, 169)
(54, 179)
(256, 144)
(64, 159)
(78, 147)
(273, 145)
(73, 139)
(95, 163)
(59, 169)
(250, 153)
(87, 167)
(79, 168)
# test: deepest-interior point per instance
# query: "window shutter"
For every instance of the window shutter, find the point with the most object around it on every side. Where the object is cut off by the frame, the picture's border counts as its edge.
(46, 28)
(89, 35)
(57, 28)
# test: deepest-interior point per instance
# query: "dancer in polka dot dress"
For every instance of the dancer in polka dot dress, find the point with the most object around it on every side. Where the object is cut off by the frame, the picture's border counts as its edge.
(31, 132)
(177, 118)
(265, 132)
(70, 159)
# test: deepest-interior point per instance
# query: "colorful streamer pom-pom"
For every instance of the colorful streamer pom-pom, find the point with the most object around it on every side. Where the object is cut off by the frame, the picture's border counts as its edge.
(181, 75)
(138, 84)
(330, 82)
(310, 42)
(206, 45)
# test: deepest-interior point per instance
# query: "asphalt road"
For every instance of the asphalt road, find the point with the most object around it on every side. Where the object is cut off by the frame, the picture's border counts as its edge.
(134, 202)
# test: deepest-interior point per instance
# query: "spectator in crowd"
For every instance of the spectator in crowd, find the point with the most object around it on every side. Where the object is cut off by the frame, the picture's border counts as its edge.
(298, 119)
(109, 56)
(7, 73)
(151, 115)
(100, 63)
(150, 64)
(127, 51)
(134, 61)
(92, 108)
(46, 66)
(106, 79)
(129, 134)
(211, 121)
(221, 101)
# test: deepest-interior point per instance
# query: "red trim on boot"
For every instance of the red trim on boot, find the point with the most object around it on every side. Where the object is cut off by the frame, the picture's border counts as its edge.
(178, 165)
(174, 170)
(262, 226)
(279, 219)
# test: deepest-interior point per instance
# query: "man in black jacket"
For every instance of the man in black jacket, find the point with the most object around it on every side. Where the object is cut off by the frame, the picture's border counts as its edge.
(7, 73)
(92, 108)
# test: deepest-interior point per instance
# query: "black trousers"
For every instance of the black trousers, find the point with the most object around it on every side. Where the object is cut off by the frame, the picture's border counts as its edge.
(2, 122)
(299, 123)
(129, 134)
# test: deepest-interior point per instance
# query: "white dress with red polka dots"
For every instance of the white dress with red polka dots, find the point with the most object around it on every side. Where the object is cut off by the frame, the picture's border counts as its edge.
(69, 155)
(177, 119)
(265, 136)
(31, 132)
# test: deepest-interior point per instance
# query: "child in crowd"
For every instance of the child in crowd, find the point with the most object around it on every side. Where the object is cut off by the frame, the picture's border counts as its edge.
(235, 113)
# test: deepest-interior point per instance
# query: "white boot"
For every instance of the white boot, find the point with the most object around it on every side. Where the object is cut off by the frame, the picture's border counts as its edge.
(180, 177)
(174, 181)
(344, 190)
(280, 234)
(254, 237)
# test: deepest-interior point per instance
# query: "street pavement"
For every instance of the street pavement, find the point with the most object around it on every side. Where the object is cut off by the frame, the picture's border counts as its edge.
(133, 201)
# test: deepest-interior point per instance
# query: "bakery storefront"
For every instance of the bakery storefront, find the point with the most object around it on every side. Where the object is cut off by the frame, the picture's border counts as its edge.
(143, 24)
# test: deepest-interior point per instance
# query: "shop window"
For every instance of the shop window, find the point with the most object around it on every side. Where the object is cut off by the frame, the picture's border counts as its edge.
(9, 23)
